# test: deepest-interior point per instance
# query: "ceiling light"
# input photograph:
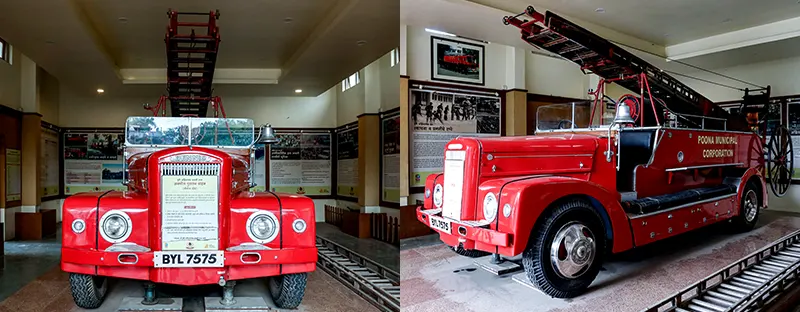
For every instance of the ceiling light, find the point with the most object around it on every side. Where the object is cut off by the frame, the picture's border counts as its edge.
(361, 42)
(438, 32)
(600, 10)
(100, 91)
(298, 90)
(49, 42)
(123, 19)
(727, 20)
(287, 20)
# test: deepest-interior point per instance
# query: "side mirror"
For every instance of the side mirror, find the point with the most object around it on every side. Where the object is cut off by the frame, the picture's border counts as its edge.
(266, 135)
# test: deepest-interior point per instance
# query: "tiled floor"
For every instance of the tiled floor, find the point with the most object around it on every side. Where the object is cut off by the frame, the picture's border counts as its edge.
(24, 261)
(375, 250)
(434, 278)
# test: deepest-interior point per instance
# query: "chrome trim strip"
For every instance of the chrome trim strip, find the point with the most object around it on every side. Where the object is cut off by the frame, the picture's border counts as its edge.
(684, 206)
(544, 156)
(129, 247)
(241, 257)
(248, 247)
(128, 254)
(431, 212)
(703, 166)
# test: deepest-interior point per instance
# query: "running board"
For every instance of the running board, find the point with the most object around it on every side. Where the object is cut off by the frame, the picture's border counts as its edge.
(750, 284)
(374, 282)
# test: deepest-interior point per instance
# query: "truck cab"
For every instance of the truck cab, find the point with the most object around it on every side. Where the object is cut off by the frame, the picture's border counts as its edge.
(188, 216)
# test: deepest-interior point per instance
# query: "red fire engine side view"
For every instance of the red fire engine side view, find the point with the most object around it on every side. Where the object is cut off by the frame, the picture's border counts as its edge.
(455, 59)
(188, 216)
(668, 162)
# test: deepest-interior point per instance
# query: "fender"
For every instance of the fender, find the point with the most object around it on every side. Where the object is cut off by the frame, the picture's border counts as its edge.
(752, 173)
(530, 197)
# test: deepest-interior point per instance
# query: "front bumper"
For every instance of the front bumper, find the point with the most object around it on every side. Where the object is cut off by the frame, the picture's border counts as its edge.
(270, 263)
(470, 235)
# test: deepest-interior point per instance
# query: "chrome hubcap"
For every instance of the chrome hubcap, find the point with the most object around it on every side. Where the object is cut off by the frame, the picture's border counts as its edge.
(750, 205)
(572, 250)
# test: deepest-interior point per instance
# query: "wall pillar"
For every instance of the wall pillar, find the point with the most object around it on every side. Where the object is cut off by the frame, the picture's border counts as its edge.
(369, 169)
(404, 141)
(31, 146)
(516, 108)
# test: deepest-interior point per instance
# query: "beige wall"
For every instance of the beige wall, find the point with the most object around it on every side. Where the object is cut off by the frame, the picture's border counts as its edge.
(49, 96)
(10, 81)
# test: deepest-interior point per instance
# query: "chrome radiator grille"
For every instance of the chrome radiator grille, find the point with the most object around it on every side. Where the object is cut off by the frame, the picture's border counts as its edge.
(189, 169)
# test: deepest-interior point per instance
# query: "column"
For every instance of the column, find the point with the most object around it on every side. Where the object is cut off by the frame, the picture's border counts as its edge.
(404, 141)
(31, 136)
(516, 112)
(369, 170)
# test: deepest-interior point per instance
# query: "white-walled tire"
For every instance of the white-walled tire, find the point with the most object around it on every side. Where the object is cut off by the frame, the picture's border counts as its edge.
(287, 290)
(88, 291)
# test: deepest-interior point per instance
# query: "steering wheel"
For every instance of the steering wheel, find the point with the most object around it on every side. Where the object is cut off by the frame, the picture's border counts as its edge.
(565, 124)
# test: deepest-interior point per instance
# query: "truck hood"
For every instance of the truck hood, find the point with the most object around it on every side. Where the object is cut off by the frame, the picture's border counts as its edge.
(531, 155)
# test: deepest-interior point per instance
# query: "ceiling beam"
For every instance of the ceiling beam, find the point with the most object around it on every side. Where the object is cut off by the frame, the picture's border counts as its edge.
(756, 35)
(94, 34)
(325, 25)
(221, 75)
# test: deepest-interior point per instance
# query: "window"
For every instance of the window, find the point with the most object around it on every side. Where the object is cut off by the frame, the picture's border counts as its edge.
(395, 57)
(4, 50)
(350, 82)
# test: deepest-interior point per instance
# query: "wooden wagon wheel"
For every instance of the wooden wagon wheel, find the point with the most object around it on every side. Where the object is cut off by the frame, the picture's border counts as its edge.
(780, 161)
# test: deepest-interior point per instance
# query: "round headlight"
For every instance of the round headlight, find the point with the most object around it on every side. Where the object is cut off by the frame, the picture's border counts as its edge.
(437, 195)
(489, 206)
(78, 226)
(262, 227)
(299, 225)
(115, 226)
(507, 210)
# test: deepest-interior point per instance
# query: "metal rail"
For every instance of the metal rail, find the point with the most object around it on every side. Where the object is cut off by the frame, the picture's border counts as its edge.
(379, 285)
(750, 284)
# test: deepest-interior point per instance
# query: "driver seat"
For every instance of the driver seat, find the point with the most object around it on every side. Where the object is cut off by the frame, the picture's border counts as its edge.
(635, 148)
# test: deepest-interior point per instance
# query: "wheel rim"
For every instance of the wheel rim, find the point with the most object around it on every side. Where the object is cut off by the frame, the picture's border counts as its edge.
(572, 250)
(750, 205)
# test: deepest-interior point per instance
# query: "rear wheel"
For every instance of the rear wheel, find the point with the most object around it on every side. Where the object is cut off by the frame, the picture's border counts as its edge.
(472, 253)
(288, 290)
(88, 291)
(565, 251)
(749, 207)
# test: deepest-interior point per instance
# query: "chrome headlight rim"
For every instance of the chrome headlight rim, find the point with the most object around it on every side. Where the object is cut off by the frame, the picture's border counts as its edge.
(438, 198)
(250, 230)
(490, 206)
(128, 226)
(507, 210)
(299, 226)
(78, 226)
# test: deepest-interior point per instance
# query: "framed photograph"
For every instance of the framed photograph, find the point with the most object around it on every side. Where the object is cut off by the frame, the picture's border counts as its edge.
(457, 61)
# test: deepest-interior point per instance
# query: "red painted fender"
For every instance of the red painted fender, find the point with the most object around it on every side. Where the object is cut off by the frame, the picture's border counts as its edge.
(531, 196)
(746, 177)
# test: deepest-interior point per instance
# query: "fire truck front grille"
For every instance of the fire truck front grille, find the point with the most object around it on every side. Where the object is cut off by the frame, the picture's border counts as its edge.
(189, 210)
(190, 169)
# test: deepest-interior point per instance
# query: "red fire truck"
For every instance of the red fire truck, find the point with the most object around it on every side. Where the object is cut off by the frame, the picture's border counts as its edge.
(188, 216)
(669, 162)
(455, 59)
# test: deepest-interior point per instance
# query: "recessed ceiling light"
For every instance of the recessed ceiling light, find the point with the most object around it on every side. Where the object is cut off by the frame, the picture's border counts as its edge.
(49, 42)
(288, 20)
(298, 90)
(727, 20)
(100, 91)
(361, 42)
(600, 10)
(123, 19)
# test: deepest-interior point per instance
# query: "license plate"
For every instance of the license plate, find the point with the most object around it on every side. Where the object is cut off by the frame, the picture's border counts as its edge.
(440, 224)
(189, 259)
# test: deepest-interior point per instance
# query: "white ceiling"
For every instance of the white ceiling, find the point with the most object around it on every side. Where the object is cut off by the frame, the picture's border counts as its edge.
(85, 43)
(664, 22)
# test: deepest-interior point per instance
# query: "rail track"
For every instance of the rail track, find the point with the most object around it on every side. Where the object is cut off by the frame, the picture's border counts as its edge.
(752, 283)
(377, 284)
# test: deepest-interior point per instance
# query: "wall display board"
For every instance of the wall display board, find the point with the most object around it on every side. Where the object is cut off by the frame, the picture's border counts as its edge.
(301, 163)
(390, 158)
(438, 117)
(259, 164)
(793, 123)
(347, 161)
(13, 175)
(93, 161)
(50, 157)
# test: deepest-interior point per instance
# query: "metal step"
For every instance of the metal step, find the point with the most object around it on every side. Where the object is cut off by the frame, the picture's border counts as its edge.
(750, 284)
(374, 282)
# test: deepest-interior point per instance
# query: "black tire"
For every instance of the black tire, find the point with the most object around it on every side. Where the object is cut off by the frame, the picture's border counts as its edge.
(472, 253)
(747, 218)
(536, 259)
(88, 291)
(288, 290)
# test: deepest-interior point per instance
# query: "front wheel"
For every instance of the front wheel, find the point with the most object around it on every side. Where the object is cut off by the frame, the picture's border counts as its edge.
(88, 291)
(565, 251)
(288, 290)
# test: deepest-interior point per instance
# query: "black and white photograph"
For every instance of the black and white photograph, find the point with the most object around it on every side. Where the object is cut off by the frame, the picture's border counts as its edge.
(457, 61)
(459, 113)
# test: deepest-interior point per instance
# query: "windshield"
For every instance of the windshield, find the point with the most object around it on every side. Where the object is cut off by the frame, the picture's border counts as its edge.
(174, 131)
(573, 115)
